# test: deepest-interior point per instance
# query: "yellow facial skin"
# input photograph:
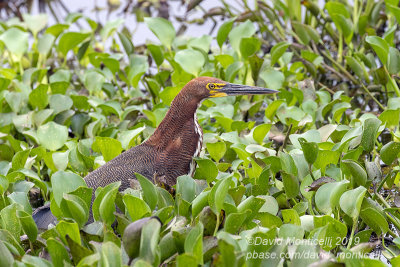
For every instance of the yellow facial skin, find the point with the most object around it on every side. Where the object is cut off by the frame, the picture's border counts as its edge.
(214, 87)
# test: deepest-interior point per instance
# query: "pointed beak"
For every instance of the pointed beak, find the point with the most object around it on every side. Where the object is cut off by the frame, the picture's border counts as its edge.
(239, 89)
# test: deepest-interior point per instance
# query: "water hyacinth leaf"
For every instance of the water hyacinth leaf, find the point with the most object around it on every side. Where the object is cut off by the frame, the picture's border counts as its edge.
(163, 29)
(52, 136)
(199, 203)
(262, 244)
(28, 225)
(9, 220)
(249, 46)
(290, 184)
(277, 51)
(234, 221)
(65, 182)
(328, 195)
(273, 78)
(93, 81)
(375, 220)
(35, 23)
(110, 254)
(310, 150)
(291, 216)
(15, 40)
(371, 127)
(190, 60)
(7, 258)
(186, 187)
(206, 170)
(126, 43)
(393, 61)
(218, 193)
(45, 43)
(390, 152)
(224, 30)
(243, 30)
(149, 241)
(358, 174)
(58, 252)
(136, 207)
(149, 191)
(351, 201)
(194, 242)
(38, 97)
(107, 204)
(380, 47)
(253, 204)
(70, 40)
(260, 132)
(107, 146)
(77, 208)
(217, 150)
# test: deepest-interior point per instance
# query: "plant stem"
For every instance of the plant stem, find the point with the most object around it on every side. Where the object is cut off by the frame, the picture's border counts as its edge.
(216, 225)
(353, 229)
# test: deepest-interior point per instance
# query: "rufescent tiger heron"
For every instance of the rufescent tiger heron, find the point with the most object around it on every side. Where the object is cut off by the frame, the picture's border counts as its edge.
(169, 152)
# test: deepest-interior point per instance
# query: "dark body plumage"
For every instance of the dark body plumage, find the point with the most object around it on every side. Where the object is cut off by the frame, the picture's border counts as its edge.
(169, 152)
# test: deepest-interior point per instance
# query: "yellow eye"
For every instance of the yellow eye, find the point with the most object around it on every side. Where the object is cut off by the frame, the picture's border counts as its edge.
(211, 86)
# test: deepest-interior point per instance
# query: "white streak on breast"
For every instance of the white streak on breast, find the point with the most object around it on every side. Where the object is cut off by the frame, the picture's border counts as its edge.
(197, 130)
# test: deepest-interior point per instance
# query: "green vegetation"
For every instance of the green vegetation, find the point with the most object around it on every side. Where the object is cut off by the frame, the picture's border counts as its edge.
(319, 163)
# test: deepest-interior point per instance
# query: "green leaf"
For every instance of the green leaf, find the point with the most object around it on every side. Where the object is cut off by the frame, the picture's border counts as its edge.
(107, 146)
(393, 61)
(190, 60)
(45, 43)
(186, 188)
(350, 201)
(290, 184)
(9, 220)
(15, 40)
(38, 97)
(273, 78)
(65, 182)
(371, 127)
(149, 241)
(291, 216)
(277, 51)
(58, 253)
(243, 30)
(390, 152)
(7, 258)
(310, 150)
(206, 170)
(224, 30)
(157, 53)
(194, 242)
(218, 193)
(36, 23)
(136, 207)
(149, 191)
(375, 220)
(249, 46)
(328, 195)
(217, 150)
(358, 174)
(70, 40)
(163, 29)
(52, 135)
(126, 43)
(93, 81)
(380, 47)
(28, 225)
(107, 203)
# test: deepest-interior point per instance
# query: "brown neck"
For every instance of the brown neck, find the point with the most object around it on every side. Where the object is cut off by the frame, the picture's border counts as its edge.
(182, 110)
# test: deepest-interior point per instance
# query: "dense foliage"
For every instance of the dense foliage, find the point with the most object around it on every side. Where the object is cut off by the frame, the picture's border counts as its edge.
(317, 165)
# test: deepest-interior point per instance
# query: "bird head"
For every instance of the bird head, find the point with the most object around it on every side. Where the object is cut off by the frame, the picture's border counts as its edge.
(204, 87)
